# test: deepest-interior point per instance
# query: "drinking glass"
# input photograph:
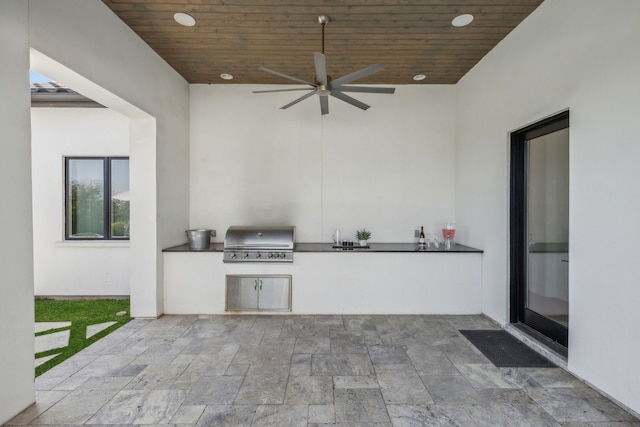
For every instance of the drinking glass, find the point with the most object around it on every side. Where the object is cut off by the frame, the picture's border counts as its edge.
(336, 238)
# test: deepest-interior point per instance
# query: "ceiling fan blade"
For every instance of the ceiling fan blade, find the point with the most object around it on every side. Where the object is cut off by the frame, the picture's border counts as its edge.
(302, 98)
(349, 100)
(281, 90)
(321, 67)
(324, 104)
(365, 89)
(295, 79)
(357, 75)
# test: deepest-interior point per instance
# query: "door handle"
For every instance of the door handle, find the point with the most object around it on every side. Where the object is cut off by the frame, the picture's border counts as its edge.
(255, 285)
(565, 260)
(260, 284)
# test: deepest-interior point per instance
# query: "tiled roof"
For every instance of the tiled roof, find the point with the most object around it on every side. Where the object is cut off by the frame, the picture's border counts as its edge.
(51, 87)
(53, 94)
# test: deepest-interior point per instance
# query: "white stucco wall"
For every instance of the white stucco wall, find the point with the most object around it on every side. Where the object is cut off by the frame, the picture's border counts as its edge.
(16, 246)
(83, 44)
(389, 169)
(95, 53)
(97, 268)
(581, 55)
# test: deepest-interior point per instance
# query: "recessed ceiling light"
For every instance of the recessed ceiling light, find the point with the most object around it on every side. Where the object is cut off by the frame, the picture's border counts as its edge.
(184, 19)
(226, 76)
(419, 77)
(462, 20)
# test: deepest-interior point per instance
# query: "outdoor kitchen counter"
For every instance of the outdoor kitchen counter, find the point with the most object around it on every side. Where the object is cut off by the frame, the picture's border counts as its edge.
(328, 247)
(387, 278)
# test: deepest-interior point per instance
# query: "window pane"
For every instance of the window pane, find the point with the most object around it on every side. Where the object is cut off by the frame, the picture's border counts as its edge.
(85, 198)
(120, 198)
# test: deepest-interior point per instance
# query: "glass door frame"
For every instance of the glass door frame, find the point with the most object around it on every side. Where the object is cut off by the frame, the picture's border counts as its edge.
(519, 313)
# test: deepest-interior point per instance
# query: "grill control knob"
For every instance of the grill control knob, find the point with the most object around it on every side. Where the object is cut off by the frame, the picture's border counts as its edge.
(233, 256)
(271, 254)
(283, 255)
(258, 255)
(245, 256)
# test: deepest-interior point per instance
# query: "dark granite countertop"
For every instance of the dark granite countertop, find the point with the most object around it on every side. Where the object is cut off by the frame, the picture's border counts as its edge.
(379, 247)
(213, 247)
(328, 247)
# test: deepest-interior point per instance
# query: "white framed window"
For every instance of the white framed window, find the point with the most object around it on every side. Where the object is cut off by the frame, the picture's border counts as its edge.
(97, 198)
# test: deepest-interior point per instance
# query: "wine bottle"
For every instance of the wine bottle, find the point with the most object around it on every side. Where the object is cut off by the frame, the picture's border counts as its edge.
(421, 239)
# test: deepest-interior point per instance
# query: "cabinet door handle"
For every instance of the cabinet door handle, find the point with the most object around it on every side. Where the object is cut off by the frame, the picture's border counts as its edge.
(260, 284)
(565, 260)
(255, 285)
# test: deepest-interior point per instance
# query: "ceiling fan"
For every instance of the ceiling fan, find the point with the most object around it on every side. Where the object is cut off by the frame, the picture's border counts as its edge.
(324, 86)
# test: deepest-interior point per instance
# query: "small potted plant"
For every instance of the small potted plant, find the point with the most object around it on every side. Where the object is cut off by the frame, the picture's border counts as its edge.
(362, 236)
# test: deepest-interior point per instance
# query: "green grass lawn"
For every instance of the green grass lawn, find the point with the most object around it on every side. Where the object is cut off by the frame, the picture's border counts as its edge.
(81, 314)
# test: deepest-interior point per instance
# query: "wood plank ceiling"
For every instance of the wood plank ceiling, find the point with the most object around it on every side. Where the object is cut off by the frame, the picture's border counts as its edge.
(407, 37)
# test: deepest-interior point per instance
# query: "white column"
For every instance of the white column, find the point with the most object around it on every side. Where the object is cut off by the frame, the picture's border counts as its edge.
(16, 231)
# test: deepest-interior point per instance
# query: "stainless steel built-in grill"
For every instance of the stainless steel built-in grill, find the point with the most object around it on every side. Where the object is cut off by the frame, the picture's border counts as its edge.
(259, 244)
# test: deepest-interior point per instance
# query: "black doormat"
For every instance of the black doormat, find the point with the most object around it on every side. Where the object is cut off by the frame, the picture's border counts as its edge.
(505, 351)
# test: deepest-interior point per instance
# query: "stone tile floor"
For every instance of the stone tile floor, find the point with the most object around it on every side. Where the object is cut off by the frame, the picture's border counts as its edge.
(307, 371)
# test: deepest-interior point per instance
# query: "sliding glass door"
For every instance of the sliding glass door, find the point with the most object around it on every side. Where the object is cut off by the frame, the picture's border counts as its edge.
(540, 228)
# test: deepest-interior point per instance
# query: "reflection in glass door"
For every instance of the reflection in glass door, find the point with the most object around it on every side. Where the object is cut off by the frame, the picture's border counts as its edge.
(548, 226)
(540, 228)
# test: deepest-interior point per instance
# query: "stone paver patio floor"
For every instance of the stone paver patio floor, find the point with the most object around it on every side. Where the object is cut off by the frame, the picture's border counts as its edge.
(291, 370)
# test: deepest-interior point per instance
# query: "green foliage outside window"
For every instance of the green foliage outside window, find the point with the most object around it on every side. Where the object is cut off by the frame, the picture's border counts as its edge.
(87, 212)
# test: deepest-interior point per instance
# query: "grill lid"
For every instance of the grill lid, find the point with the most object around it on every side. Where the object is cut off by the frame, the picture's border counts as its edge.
(260, 237)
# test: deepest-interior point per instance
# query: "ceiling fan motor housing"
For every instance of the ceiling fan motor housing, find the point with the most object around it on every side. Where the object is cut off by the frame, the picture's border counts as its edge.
(323, 90)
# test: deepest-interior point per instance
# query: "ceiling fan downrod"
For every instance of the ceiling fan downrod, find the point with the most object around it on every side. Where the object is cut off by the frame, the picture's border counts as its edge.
(323, 20)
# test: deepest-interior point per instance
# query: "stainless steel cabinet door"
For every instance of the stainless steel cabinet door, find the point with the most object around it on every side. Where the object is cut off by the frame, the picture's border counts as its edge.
(275, 293)
(242, 292)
